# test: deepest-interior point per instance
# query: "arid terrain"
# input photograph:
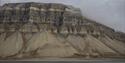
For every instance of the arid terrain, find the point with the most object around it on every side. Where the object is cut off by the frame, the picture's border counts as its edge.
(41, 30)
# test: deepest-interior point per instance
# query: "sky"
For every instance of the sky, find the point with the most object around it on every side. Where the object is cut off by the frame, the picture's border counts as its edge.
(108, 12)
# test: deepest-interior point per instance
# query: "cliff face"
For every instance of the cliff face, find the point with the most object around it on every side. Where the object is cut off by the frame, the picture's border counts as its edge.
(31, 15)
(54, 30)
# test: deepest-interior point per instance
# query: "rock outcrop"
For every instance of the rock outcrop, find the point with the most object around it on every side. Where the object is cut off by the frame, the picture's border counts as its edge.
(54, 30)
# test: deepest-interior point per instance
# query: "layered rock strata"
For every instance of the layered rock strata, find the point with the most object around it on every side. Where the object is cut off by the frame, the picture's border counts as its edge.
(54, 30)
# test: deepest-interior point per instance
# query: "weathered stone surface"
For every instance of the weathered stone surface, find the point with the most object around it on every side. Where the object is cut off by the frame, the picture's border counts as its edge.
(54, 30)
(10, 44)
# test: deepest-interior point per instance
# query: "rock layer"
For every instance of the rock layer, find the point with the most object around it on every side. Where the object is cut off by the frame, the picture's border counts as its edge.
(54, 30)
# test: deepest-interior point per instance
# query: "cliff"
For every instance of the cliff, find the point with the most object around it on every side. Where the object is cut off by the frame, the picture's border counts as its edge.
(54, 30)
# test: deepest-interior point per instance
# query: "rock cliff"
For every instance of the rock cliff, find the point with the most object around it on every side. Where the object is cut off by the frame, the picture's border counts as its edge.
(54, 30)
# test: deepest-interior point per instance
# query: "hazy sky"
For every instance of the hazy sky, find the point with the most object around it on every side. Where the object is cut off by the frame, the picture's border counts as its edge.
(108, 12)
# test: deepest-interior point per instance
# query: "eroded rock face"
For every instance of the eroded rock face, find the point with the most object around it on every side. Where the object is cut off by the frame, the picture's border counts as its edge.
(10, 44)
(54, 30)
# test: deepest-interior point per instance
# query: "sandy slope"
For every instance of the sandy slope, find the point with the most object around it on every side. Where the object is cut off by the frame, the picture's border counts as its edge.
(11, 45)
(47, 44)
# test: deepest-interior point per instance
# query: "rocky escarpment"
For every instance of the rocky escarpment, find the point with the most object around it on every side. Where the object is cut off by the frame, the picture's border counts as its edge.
(54, 30)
